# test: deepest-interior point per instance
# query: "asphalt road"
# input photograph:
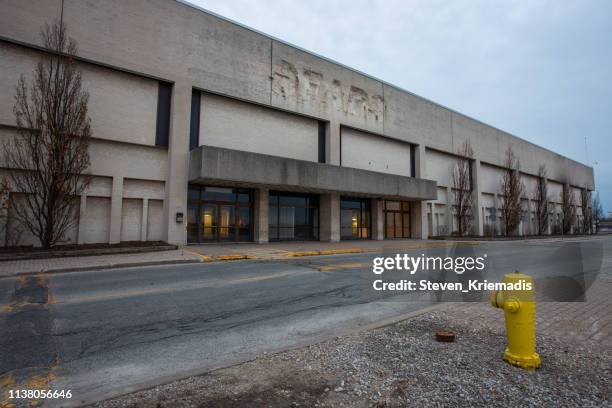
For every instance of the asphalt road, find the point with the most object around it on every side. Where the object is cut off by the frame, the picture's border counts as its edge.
(104, 333)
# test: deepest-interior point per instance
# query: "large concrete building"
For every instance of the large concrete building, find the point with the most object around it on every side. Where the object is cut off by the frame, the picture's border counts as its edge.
(205, 130)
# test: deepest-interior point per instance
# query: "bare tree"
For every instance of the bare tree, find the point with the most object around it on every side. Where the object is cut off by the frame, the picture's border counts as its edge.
(598, 213)
(568, 208)
(512, 190)
(541, 201)
(587, 211)
(4, 204)
(49, 159)
(462, 186)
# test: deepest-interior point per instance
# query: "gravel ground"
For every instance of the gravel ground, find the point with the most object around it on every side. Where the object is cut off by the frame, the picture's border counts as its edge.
(400, 365)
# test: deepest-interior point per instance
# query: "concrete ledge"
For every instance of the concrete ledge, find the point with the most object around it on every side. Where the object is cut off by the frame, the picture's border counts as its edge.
(215, 165)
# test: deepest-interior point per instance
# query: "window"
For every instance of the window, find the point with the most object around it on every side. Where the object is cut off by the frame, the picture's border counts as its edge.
(293, 217)
(194, 125)
(354, 218)
(164, 97)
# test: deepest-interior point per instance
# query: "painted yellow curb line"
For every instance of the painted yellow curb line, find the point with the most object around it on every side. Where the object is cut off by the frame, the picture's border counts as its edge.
(233, 257)
(326, 252)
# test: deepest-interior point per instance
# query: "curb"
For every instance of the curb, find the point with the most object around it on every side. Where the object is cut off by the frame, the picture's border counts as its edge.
(325, 252)
(102, 267)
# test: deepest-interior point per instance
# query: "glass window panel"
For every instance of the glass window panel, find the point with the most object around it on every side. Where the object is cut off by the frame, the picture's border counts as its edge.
(273, 216)
(244, 197)
(300, 215)
(194, 194)
(405, 205)
(244, 217)
(389, 228)
(392, 205)
(350, 203)
(398, 225)
(286, 217)
(273, 233)
(291, 200)
(406, 225)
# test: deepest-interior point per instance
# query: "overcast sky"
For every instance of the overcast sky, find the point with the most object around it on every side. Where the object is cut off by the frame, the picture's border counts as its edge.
(541, 70)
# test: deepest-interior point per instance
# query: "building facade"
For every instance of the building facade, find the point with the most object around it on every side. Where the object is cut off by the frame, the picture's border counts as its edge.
(208, 131)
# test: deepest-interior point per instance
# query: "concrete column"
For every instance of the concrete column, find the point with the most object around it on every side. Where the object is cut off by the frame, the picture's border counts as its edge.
(378, 219)
(116, 210)
(145, 219)
(332, 148)
(82, 219)
(178, 163)
(418, 210)
(329, 216)
(478, 221)
(261, 222)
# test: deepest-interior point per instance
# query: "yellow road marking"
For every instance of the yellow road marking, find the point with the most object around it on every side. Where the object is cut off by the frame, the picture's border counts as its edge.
(349, 265)
(204, 258)
(326, 252)
(233, 257)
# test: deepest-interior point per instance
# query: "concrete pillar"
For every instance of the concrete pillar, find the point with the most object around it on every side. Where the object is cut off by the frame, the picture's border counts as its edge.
(329, 210)
(178, 163)
(260, 210)
(332, 147)
(378, 219)
(145, 219)
(116, 210)
(82, 219)
(418, 210)
(478, 221)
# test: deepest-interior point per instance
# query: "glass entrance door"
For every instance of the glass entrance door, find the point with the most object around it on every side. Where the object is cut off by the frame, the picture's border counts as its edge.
(219, 214)
(397, 219)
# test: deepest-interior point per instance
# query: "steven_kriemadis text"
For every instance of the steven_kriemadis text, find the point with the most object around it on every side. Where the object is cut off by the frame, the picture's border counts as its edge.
(473, 284)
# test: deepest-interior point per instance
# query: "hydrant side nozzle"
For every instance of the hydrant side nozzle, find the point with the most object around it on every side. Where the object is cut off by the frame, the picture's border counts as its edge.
(512, 305)
(493, 299)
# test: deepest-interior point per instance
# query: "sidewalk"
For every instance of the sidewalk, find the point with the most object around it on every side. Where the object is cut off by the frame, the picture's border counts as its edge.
(84, 263)
(209, 253)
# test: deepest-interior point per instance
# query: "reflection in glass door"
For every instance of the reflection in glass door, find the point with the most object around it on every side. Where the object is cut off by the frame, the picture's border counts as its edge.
(226, 223)
(209, 222)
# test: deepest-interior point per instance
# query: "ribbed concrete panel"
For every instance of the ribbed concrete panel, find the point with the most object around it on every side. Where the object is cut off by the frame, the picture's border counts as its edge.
(213, 165)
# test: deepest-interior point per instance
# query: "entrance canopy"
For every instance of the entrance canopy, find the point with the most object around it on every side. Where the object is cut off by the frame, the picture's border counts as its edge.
(214, 165)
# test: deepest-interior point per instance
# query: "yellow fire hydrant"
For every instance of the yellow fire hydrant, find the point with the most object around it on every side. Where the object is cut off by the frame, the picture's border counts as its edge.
(518, 302)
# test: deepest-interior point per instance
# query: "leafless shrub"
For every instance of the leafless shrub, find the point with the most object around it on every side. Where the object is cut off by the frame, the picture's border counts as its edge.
(587, 211)
(598, 213)
(541, 202)
(49, 159)
(462, 187)
(568, 208)
(512, 190)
